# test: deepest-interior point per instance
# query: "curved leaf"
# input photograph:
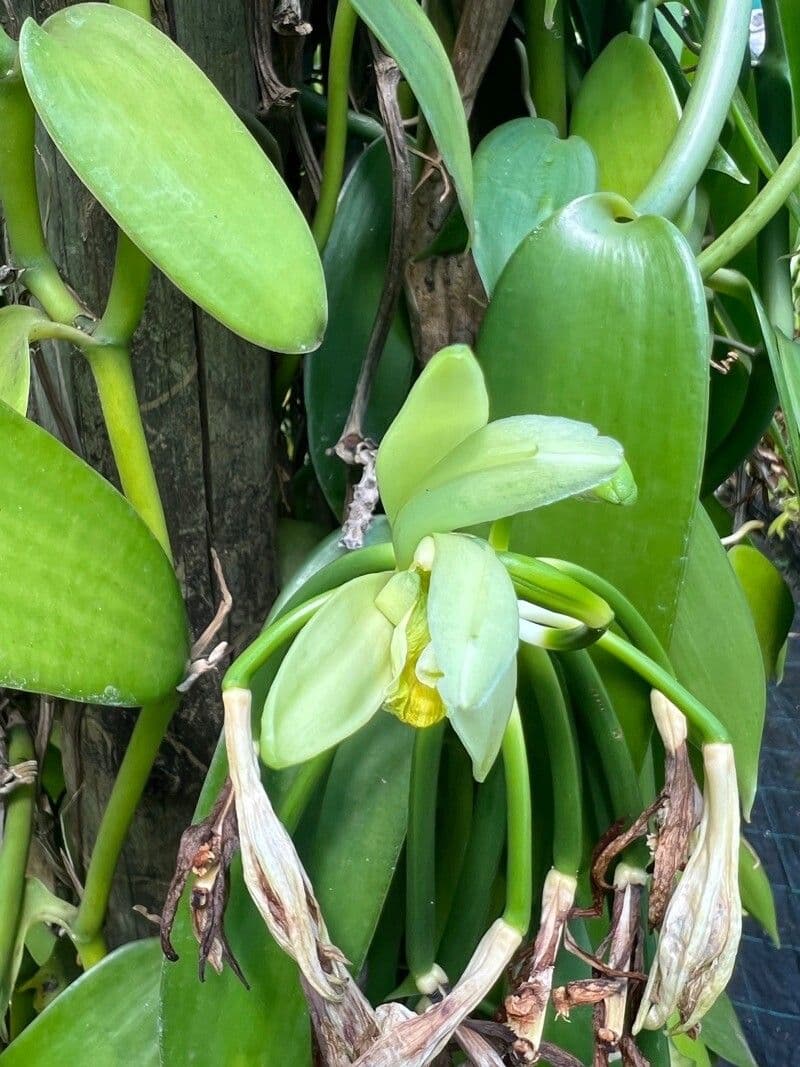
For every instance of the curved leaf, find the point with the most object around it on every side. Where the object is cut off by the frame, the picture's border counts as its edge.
(90, 608)
(523, 173)
(446, 404)
(510, 466)
(770, 599)
(627, 110)
(108, 1016)
(355, 263)
(157, 145)
(601, 316)
(715, 651)
(722, 1033)
(360, 832)
(15, 361)
(757, 898)
(333, 678)
(406, 33)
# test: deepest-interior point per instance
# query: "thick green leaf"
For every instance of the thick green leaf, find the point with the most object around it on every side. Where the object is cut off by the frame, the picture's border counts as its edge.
(108, 1016)
(355, 263)
(360, 832)
(757, 897)
(15, 361)
(474, 627)
(686, 1051)
(154, 141)
(447, 403)
(406, 33)
(510, 466)
(770, 599)
(90, 608)
(332, 680)
(627, 110)
(523, 173)
(715, 650)
(600, 315)
(722, 1033)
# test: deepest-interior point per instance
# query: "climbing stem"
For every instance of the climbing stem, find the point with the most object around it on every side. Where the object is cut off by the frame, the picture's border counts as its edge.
(421, 852)
(562, 755)
(642, 21)
(544, 42)
(17, 834)
(344, 28)
(111, 366)
(519, 873)
(724, 43)
(148, 733)
(127, 295)
(705, 726)
(755, 216)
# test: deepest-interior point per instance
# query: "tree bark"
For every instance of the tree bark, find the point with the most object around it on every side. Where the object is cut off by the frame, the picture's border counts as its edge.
(205, 401)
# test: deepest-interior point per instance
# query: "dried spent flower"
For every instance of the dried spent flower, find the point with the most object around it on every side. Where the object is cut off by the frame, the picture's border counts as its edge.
(526, 1006)
(623, 950)
(703, 920)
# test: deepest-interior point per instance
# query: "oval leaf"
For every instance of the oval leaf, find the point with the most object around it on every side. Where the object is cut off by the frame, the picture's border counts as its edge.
(600, 315)
(510, 466)
(333, 678)
(474, 627)
(446, 404)
(770, 599)
(722, 1033)
(355, 260)
(15, 361)
(757, 897)
(523, 173)
(90, 608)
(158, 146)
(108, 1016)
(407, 35)
(628, 112)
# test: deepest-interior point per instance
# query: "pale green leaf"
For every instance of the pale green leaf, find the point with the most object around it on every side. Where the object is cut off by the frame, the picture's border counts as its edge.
(770, 599)
(722, 1033)
(474, 628)
(523, 173)
(332, 680)
(510, 466)
(162, 151)
(15, 361)
(757, 897)
(447, 403)
(407, 35)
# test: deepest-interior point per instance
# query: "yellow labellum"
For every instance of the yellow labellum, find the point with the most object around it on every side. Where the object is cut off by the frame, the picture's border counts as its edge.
(409, 698)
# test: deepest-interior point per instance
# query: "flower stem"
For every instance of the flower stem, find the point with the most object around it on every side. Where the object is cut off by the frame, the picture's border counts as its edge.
(706, 109)
(705, 725)
(562, 755)
(547, 62)
(151, 725)
(17, 834)
(755, 216)
(421, 853)
(344, 28)
(519, 873)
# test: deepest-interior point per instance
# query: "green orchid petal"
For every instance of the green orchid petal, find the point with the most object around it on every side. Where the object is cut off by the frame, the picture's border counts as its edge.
(333, 679)
(474, 627)
(399, 595)
(510, 466)
(447, 403)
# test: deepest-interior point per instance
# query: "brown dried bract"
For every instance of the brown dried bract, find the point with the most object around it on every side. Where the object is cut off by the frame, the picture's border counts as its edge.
(205, 854)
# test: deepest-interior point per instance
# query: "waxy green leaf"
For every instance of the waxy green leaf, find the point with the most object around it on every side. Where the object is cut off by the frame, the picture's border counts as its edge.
(158, 146)
(355, 259)
(715, 652)
(447, 403)
(474, 627)
(108, 1016)
(771, 602)
(600, 315)
(509, 466)
(15, 362)
(407, 35)
(722, 1033)
(523, 173)
(360, 832)
(90, 608)
(332, 680)
(757, 897)
(627, 110)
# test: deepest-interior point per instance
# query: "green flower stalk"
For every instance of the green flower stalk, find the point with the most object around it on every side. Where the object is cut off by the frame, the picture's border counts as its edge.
(703, 921)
